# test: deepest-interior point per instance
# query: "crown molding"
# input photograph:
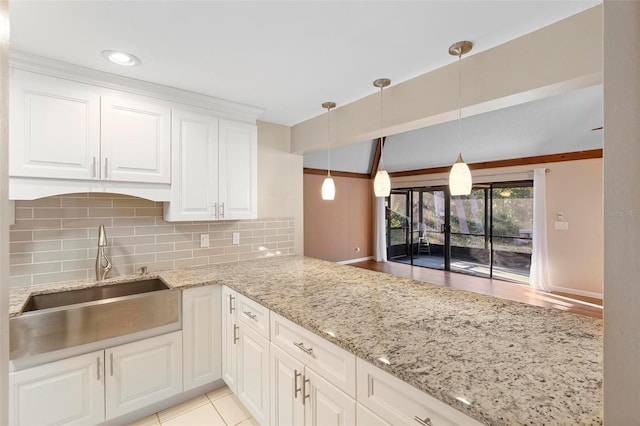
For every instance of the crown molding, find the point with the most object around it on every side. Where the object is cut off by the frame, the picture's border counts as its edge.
(221, 107)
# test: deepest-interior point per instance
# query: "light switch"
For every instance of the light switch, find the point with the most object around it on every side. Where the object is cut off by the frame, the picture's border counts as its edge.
(204, 240)
(562, 225)
(236, 238)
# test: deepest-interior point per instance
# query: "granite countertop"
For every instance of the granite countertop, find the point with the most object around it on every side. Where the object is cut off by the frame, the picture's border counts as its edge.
(513, 363)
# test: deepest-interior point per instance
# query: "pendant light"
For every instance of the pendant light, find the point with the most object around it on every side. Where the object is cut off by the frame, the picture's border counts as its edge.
(328, 186)
(382, 182)
(460, 176)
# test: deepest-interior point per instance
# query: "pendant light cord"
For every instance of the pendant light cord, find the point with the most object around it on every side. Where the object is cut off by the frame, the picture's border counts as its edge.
(381, 131)
(460, 101)
(328, 142)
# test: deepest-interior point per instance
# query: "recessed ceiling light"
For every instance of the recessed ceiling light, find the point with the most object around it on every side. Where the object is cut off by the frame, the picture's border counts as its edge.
(121, 58)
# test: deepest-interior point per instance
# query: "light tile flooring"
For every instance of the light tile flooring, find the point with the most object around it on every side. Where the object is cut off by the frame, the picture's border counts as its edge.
(216, 408)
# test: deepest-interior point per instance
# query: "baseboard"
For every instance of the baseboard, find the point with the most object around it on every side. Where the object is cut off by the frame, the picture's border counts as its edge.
(361, 259)
(578, 292)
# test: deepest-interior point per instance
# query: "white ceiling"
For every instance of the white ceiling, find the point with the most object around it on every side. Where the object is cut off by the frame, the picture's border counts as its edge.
(286, 57)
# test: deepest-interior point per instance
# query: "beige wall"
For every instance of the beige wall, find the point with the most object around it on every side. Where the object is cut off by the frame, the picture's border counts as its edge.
(574, 188)
(622, 212)
(279, 178)
(334, 229)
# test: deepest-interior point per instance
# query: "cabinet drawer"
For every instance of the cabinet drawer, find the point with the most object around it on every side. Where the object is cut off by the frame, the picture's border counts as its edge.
(254, 315)
(331, 362)
(397, 402)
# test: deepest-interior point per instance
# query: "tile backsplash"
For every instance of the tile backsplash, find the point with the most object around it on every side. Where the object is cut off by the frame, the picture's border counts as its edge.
(55, 239)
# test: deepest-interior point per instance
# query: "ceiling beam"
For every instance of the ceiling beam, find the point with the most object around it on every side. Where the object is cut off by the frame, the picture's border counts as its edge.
(335, 173)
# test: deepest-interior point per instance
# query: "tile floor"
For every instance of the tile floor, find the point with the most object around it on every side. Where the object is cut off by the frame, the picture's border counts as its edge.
(216, 408)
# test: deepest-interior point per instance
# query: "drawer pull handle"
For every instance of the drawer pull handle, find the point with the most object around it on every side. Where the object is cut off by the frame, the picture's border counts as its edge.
(300, 346)
(304, 389)
(296, 389)
(98, 360)
(215, 210)
(252, 316)
(235, 334)
(231, 307)
(222, 210)
(93, 168)
(425, 422)
(106, 168)
(111, 358)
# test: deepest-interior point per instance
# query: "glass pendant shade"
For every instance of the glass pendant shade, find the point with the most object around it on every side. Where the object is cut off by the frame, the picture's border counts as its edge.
(328, 189)
(382, 184)
(460, 178)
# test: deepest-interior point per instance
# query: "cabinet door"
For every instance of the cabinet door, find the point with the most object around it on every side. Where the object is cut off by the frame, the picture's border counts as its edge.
(141, 373)
(135, 139)
(238, 167)
(326, 405)
(364, 417)
(194, 167)
(286, 388)
(201, 323)
(229, 338)
(253, 373)
(54, 128)
(69, 392)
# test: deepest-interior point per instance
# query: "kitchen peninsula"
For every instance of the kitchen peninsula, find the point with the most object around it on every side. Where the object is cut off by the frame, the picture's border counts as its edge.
(497, 361)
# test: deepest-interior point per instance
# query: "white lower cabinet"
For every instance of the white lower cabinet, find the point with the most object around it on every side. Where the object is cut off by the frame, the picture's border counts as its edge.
(365, 417)
(90, 388)
(245, 354)
(70, 391)
(202, 344)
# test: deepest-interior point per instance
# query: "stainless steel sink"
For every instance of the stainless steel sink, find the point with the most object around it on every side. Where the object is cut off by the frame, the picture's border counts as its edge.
(61, 320)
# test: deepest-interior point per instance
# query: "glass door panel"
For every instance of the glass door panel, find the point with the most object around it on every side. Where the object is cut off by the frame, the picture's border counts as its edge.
(398, 227)
(429, 226)
(470, 247)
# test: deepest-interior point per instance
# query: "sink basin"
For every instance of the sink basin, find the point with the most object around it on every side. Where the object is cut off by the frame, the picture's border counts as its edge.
(55, 321)
(92, 294)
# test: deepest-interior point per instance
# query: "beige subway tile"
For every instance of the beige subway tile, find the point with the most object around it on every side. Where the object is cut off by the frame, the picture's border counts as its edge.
(25, 224)
(134, 221)
(75, 265)
(61, 234)
(86, 223)
(223, 258)
(253, 240)
(278, 224)
(260, 254)
(173, 255)
(35, 268)
(133, 259)
(238, 249)
(118, 231)
(183, 229)
(79, 243)
(132, 241)
(276, 239)
(133, 202)
(166, 238)
(285, 231)
(220, 243)
(20, 235)
(28, 247)
(156, 266)
(292, 224)
(85, 202)
(40, 202)
(243, 234)
(24, 213)
(265, 246)
(52, 256)
(21, 281)
(119, 270)
(221, 227)
(153, 248)
(285, 244)
(196, 261)
(116, 250)
(266, 219)
(211, 251)
(186, 245)
(149, 211)
(51, 213)
(264, 232)
(242, 226)
(292, 237)
(292, 250)
(153, 230)
(216, 235)
(111, 212)
(20, 258)
(287, 218)
(59, 276)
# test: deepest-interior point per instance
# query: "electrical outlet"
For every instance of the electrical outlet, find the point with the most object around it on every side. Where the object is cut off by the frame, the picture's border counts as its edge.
(236, 238)
(204, 240)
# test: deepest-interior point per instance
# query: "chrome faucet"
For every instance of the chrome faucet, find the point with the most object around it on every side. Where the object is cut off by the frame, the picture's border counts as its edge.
(103, 264)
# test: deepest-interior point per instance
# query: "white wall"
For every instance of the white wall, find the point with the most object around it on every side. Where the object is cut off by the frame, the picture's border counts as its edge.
(622, 212)
(574, 188)
(280, 178)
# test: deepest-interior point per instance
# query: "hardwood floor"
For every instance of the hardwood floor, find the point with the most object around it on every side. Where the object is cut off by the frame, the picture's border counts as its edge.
(506, 290)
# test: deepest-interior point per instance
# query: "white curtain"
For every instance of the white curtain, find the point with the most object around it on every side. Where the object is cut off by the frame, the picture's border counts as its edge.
(380, 230)
(539, 273)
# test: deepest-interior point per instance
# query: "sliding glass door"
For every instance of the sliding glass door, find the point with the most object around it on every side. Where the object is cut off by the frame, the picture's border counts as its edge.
(486, 233)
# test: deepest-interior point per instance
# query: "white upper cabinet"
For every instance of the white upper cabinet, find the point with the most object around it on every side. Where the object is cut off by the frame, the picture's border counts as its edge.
(136, 139)
(54, 127)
